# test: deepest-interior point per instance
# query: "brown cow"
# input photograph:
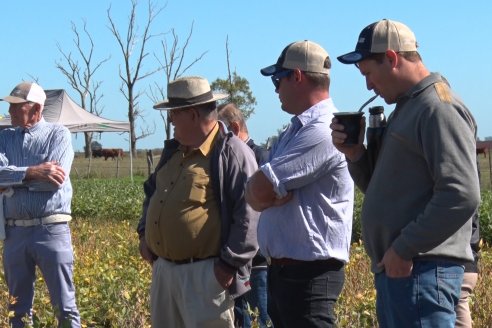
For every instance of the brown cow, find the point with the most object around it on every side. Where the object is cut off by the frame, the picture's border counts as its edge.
(482, 150)
(107, 153)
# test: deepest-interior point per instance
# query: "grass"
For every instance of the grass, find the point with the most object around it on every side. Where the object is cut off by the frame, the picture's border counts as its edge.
(485, 172)
(118, 168)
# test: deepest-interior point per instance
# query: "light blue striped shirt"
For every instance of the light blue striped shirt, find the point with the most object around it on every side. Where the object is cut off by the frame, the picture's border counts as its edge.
(317, 223)
(24, 147)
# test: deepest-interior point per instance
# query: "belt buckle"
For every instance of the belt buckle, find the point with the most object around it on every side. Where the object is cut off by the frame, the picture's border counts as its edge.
(269, 260)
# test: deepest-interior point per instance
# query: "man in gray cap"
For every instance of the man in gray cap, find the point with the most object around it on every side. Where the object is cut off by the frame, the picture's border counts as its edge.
(305, 194)
(419, 200)
(37, 157)
(197, 229)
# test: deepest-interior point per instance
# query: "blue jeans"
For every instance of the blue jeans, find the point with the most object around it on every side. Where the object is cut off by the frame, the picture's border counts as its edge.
(304, 295)
(257, 299)
(257, 296)
(426, 299)
(241, 312)
(50, 248)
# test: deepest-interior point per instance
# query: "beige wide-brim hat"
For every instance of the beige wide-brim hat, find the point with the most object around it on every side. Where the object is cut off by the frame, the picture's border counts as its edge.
(188, 91)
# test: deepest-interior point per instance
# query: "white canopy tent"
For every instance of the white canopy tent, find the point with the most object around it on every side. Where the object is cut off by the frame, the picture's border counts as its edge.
(60, 108)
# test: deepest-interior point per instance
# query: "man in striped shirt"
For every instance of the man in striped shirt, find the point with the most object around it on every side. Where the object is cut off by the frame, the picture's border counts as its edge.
(36, 160)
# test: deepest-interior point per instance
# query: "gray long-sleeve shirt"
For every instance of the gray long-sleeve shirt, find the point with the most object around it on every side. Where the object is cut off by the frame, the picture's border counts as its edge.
(424, 188)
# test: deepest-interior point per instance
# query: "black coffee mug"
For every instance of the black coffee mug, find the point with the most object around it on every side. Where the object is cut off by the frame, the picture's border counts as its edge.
(351, 124)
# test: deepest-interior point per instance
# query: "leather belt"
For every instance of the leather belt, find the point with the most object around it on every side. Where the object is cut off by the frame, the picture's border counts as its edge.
(187, 261)
(284, 261)
(50, 219)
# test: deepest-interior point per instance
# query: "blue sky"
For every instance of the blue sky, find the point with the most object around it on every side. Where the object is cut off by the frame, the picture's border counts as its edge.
(454, 39)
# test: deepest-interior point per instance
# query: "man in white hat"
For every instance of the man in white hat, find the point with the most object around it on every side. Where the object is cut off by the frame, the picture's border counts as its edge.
(197, 229)
(39, 156)
(419, 200)
(305, 194)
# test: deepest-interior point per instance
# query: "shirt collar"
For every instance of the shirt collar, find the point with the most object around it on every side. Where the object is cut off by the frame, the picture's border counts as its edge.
(324, 107)
(206, 146)
(422, 85)
(34, 128)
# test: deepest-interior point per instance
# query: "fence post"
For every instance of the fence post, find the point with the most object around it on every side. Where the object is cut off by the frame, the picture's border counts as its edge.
(490, 170)
(89, 167)
(150, 162)
(117, 166)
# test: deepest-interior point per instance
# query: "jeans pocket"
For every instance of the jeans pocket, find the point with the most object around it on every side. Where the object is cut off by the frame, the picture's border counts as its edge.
(57, 229)
(449, 280)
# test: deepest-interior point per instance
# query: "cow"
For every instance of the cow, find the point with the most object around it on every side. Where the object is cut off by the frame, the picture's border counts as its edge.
(107, 153)
(97, 153)
(482, 150)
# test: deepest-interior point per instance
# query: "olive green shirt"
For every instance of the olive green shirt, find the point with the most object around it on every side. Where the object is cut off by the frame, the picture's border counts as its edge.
(183, 218)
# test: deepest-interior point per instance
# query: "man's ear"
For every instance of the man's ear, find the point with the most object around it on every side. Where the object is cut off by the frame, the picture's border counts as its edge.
(297, 74)
(234, 127)
(195, 113)
(37, 108)
(392, 57)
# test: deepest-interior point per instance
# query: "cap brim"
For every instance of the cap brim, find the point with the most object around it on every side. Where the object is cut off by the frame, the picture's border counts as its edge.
(14, 100)
(353, 57)
(166, 105)
(270, 70)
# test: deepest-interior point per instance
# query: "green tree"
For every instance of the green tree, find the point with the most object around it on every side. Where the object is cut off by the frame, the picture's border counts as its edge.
(239, 93)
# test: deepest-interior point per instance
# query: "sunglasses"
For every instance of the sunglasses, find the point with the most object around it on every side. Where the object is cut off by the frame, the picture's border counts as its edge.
(280, 75)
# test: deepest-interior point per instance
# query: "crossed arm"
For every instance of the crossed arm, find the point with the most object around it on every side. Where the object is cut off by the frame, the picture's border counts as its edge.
(260, 194)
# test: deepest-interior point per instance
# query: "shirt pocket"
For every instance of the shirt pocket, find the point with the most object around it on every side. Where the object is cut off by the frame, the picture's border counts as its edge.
(198, 186)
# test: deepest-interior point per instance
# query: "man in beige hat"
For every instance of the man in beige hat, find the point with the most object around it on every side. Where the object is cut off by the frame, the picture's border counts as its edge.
(419, 200)
(305, 194)
(39, 156)
(197, 229)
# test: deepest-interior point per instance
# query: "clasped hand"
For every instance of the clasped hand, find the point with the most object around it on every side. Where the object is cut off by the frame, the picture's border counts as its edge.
(50, 172)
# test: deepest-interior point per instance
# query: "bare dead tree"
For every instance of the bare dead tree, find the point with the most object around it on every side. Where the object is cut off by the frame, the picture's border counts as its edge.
(229, 75)
(236, 87)
(134, 43)
(33, 78)
(174, 67)
(80, 76)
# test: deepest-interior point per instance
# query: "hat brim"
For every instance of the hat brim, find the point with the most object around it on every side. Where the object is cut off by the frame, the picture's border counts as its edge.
(270, 70)
(14, 100)
(166, 105)
(354, 57)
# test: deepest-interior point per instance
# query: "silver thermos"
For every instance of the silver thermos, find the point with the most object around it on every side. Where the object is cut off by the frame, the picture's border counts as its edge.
(374, 134)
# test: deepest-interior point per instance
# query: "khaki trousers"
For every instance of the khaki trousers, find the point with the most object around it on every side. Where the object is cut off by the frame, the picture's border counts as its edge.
(189, 296)
(463, 315)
